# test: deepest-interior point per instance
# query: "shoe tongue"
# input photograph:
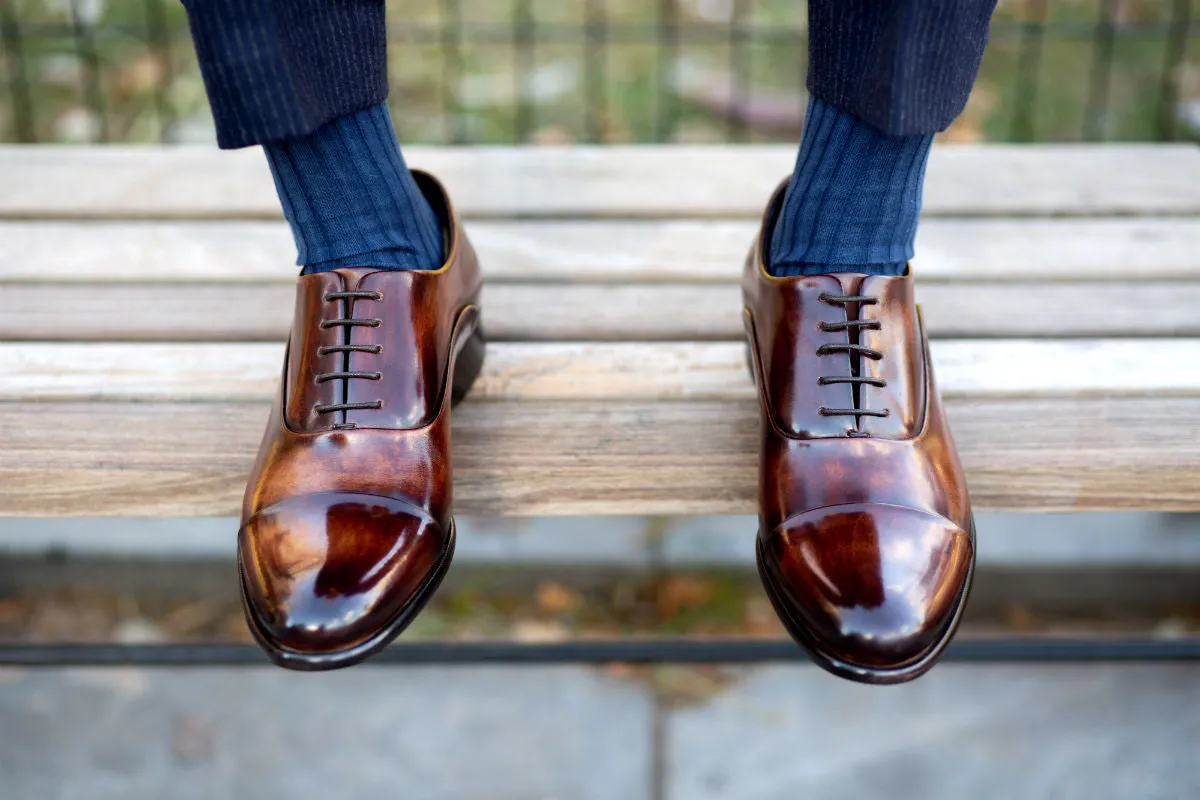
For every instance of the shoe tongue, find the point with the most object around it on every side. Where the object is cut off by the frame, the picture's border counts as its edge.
(839, 283)
(850, 282)
(352, 276)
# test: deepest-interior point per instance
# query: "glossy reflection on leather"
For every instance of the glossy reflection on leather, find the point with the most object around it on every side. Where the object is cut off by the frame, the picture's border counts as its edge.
(330, 569)
(877, 585)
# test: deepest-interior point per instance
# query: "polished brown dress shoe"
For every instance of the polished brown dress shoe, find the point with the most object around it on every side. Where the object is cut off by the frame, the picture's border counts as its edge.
(866, 542)
(346, 524)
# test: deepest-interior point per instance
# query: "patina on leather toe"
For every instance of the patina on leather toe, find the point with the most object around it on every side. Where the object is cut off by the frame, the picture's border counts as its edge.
(347, 525)
(329, 571)
(866, 538)
(874, 586)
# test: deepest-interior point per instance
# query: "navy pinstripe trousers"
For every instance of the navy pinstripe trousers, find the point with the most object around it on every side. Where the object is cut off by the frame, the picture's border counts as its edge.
(275, 69)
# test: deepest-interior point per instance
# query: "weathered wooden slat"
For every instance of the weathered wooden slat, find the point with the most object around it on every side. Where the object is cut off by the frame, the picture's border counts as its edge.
(691, 251)
(582, 312)
(624, 457)
(537, 372)
(678, 181)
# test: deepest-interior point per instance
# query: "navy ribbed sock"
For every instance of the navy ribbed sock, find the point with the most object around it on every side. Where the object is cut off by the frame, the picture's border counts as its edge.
(853, 201)
(350, 198)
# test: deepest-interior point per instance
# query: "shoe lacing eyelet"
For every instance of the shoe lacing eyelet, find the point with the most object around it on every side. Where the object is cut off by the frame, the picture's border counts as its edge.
(852, 350)
(348, 323)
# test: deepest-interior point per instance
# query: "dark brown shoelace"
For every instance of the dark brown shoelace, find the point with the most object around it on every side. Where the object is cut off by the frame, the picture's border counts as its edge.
(348, 375)
(850, 349)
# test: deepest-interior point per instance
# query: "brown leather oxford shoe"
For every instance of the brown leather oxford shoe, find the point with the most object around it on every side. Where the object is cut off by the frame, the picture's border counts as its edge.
(346, 524)
(866, 542)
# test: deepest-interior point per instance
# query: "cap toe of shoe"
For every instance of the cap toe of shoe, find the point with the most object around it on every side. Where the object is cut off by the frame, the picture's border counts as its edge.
(325, 572)
(874, 586)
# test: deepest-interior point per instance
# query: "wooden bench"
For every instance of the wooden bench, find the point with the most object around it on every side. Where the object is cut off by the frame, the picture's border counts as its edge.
(144, 294)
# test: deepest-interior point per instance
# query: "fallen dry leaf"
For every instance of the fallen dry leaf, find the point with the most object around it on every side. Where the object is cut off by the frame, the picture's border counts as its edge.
(676, 593)
(554, 598)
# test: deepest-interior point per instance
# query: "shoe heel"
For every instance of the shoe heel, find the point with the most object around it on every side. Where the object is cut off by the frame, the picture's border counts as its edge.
(468, 364)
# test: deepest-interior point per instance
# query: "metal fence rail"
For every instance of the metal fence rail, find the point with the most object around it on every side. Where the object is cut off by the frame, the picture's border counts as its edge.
(636, 651)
